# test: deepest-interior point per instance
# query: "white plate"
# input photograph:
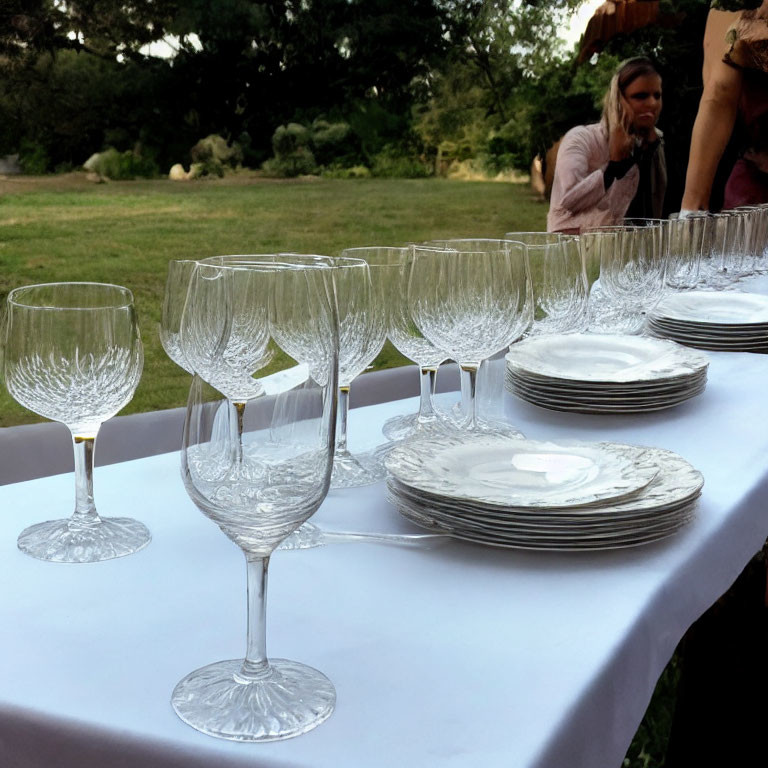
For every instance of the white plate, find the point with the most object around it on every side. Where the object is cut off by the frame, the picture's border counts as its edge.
(663, 507)
(716, 308)
(604, 358)
(495, 470)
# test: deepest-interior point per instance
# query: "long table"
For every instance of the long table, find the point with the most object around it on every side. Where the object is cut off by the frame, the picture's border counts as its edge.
(456, 655)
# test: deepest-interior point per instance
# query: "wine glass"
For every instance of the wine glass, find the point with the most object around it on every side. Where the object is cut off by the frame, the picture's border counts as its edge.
(73, 355)
(241, 389)
(176, 285)
(406, 338)
(471, 304)
(559, 285)
(726, 250)
(685, 239)
(361, 292)
(632, 273)
(291, 432)
(489, 385)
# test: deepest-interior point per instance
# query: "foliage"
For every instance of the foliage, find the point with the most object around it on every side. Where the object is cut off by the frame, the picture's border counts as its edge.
(440, 80)
(243, 68)
(649, 746)
(481, 102)
(293, 156)
(33, 158)
(392, 163)
(122, 166)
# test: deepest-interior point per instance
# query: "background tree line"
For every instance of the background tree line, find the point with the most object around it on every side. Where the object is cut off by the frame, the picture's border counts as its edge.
(393, 87)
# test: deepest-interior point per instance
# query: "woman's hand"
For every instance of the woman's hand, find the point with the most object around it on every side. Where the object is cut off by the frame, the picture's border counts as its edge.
(620, 141)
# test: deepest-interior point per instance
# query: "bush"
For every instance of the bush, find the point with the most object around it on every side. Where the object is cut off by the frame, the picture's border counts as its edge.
(33, 158)
(293, 157)
(300, 162)
(121, 166)
(391, 164)
(334, 144)
(215, 149)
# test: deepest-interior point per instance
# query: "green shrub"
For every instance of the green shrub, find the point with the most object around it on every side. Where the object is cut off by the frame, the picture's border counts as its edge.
(215, 149)
(33, 158)
(335, 144)
(293, 156)
(121, 166)
(300, 162)
(390, 163)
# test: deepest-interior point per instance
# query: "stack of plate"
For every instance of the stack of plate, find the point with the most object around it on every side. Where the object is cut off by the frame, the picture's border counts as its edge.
(714, 320)
(537, 495)
(589, 373)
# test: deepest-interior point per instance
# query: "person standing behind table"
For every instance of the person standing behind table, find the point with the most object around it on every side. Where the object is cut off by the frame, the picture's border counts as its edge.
(735, 75)
(615, 168)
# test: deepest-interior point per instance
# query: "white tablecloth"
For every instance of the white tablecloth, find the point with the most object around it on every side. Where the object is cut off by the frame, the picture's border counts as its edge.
(456, 656)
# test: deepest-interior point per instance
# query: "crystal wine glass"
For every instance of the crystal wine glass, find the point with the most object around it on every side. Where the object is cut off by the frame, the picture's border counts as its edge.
(489, 386)
(291, 429)
(632, 272)
(559, 285)
(469, 303)
(685, 239)
(406, 338)
(361, 293)
(726, 250)
(73, 355)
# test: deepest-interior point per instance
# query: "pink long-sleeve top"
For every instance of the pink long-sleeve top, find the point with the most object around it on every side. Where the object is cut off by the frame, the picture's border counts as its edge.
(579, 197)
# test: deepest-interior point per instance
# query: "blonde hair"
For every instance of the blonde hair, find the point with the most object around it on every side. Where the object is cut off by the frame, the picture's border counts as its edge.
(627, 72)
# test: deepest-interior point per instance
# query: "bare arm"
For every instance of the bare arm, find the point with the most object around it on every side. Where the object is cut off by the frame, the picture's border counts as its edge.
(717, 113)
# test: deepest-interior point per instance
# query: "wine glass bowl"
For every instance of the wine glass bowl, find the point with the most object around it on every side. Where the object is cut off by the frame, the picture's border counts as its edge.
(73, 355)
(176, 286)
(559, 286)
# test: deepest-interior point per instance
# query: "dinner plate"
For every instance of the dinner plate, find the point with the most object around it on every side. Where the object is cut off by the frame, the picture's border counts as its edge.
(585, 387)
(661, 508)
(497, 470)
(607, 394)
(598, 406)
(603, 358)
(676, 482)
(714, 307)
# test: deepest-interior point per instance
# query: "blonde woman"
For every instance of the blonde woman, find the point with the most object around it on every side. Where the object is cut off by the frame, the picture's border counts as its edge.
(615, 168)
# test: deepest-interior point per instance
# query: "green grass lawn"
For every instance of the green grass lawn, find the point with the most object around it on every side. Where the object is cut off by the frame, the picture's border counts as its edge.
(125, 232)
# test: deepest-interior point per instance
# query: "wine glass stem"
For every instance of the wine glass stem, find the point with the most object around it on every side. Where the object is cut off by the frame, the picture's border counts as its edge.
(428, 381)
(85, 514)
(255, 665)
(341, 440)
(238, 411)
(468, 387)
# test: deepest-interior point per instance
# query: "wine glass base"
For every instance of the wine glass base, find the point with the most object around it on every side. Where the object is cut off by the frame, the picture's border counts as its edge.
(408, 426)
(353, 471)
(292, 700)
(305, 536)
(62, 541)
(454, 421)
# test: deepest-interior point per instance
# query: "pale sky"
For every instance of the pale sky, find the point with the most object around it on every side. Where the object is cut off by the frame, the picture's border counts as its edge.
(578, 22)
